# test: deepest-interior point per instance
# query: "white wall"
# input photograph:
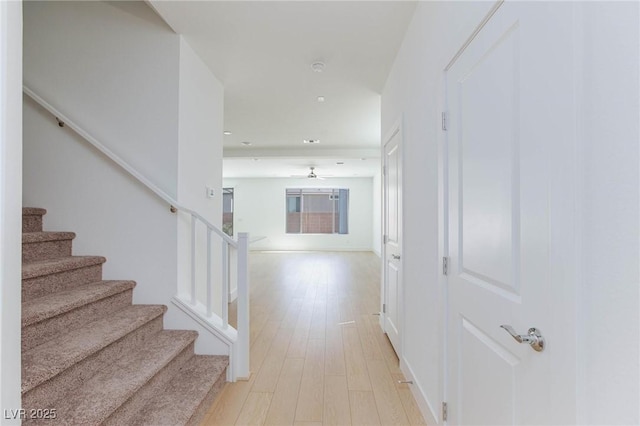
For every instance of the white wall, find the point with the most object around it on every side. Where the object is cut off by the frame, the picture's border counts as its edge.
(199, 161)
(200, 129)
(119, 72)
(260, 210)
(377, 213)
(10, 205)
(112, 214)
(112, 68)
(607, 130)
(115, 72)
(608, 346)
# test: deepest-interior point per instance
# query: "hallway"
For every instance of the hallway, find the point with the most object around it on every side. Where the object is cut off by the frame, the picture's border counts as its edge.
(318, 355)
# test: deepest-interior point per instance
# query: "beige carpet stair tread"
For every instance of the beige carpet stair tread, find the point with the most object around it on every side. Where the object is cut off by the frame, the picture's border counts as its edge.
(182, 396)
(49, 359)
(38, 237)
(91, 354)
(33, 211)
(32, 219)
(61, 302)
(105, 392)
(52, 266)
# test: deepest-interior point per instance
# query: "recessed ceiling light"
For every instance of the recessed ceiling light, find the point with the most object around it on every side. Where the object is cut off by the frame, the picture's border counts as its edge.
(255, 159)
(311, 141)
(363, 159)
(246, 143)
(317, 66)
(339, 163)
(226, 132)
(320, 98)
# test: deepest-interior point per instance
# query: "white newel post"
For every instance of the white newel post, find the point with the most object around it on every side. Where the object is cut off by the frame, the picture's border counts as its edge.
(224, 300)
(241, 361)
(193, 259)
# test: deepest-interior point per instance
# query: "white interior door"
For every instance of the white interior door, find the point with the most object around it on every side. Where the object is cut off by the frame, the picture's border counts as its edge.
(505, 99)
(392, 320)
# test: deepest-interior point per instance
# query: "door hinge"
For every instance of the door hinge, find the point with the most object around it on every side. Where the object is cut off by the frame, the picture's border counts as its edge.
(385, 239)
(444, 121)
(384, 170)
(384, 308)
(445, 265)
(445, 411)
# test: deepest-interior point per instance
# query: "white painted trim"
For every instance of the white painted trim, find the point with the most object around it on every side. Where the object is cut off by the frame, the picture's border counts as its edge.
(443, 240)
(212, 323)
(243, 343)
(430, 414)
(582, 383)
(473, 35)
(10, 205)
(233, 294)
(395, 129)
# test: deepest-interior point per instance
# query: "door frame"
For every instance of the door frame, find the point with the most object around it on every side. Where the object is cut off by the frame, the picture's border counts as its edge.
(443, 242)
(565, 225)
(395, 129)
(443, 198)
(10, 204)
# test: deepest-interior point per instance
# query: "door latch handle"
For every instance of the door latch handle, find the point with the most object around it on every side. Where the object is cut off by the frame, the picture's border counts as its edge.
(533, 337)
(396, 256)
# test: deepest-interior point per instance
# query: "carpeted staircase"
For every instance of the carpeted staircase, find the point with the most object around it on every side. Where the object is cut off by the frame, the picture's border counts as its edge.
(91, 357)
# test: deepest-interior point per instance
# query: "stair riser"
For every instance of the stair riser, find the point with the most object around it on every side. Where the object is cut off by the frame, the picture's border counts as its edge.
(41, 332)
(127, 411)
(46, 250)
(48, 393)
(31, 223)
(206, 403)
(47, 284)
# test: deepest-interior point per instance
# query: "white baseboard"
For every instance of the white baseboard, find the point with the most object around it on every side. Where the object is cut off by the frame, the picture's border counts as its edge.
(430, 414)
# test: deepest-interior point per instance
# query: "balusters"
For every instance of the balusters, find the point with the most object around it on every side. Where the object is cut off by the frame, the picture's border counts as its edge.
(209, 284)
(225, 285)
(241, 275)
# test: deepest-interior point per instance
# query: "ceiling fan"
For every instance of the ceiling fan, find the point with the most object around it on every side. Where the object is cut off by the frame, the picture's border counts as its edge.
(312, 174)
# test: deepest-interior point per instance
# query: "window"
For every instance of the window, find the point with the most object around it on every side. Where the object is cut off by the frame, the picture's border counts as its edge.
(227, 211)
(317, 211)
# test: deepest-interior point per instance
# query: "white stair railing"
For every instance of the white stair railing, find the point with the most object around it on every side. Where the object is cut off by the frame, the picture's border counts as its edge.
(237, 337)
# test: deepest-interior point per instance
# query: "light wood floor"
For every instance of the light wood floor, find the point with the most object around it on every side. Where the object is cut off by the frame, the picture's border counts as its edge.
(318, 355)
